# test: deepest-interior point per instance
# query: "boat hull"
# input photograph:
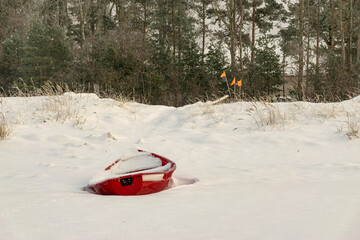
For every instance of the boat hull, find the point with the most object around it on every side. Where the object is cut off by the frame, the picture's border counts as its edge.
(137, 183)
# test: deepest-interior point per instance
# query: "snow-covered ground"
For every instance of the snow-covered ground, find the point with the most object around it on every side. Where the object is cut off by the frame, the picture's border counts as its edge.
(244, 170)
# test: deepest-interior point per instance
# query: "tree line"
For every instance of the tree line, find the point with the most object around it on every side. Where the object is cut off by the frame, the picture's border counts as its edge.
(173, 52)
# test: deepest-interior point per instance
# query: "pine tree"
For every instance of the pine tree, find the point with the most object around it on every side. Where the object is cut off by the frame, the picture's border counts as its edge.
(10, 61)
(266, 74)
(215, 63)
(46, 53)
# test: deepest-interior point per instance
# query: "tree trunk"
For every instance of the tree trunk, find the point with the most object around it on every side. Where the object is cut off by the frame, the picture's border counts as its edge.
(332, 24)
(66, 18)
(240, 35)
(180, 43)
(317, 77)
(100, 14)
(82, 22)
(253, 33)
(283, 73)
(358, 50)
(317, 37)
(350, 32)
(232, 36)
(120, 12)
(173, 27)
(229, 20)
(301, 52)
(58, 22)
(145, 20)
(203, 31)
(342, 33)
(92, 26)
(308, 30)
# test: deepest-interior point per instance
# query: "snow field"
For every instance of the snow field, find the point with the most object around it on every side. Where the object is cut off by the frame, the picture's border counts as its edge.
(244, 170)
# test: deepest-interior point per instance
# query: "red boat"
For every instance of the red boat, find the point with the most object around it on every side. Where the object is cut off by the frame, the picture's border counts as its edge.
(145, 179)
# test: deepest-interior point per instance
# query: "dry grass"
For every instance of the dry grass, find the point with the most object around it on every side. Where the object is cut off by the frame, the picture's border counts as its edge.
(353, 127)
(327, 111)
(48, 89)
(199, 110)
(206, 108)
(267, 114)
(209, 109)
(60, 104)
(120, 99)
(6, 128)
(56, 106)
(61, 108)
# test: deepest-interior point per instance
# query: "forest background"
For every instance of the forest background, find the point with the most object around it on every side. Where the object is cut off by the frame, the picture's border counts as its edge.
(172, 52)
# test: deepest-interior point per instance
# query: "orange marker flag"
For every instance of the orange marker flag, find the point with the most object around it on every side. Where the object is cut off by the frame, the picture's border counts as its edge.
(223, 76)
(233, 81)
(239, 83)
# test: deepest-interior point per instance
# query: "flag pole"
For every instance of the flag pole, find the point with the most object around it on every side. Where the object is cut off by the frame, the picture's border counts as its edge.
(240, 92)
(235, 91)
(227, 83)
(239, 83)
(223, 76)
